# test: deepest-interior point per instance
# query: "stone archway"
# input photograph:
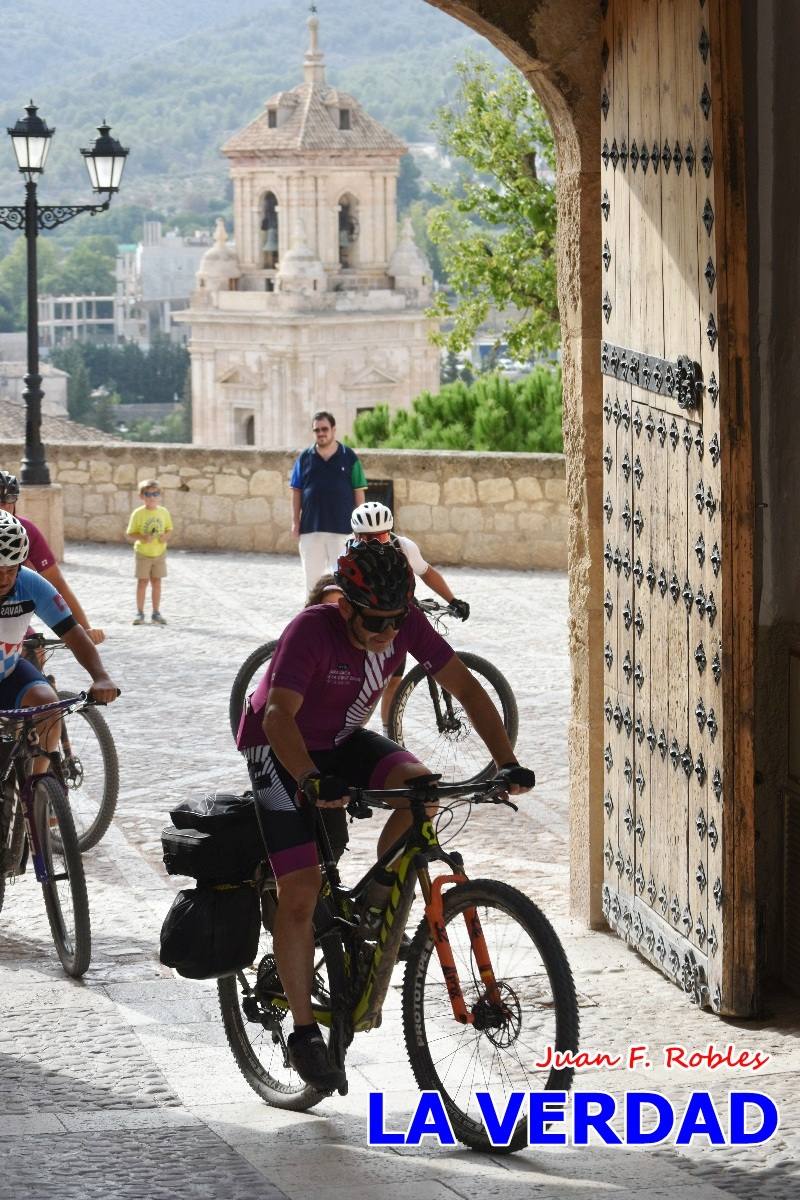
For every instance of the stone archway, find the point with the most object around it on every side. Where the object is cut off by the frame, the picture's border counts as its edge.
(554, 44)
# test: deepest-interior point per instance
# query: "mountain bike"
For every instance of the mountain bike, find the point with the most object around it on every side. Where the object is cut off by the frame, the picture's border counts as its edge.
(36, 823)
(427, 720)
(88, 764)
(487, 985)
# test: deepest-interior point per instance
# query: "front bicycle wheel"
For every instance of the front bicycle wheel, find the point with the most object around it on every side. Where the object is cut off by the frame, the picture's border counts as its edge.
(257, 1023)
(247, 678)
(498, 1051)
(65, 896)
(90, 772)
(430, 722)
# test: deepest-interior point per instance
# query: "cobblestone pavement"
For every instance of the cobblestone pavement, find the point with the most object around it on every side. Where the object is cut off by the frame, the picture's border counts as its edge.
(122, 1085)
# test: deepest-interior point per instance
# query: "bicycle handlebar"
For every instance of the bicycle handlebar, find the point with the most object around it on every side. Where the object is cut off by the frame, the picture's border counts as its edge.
(38, 641)
(489, 791)
(429, 605)
(37, 710)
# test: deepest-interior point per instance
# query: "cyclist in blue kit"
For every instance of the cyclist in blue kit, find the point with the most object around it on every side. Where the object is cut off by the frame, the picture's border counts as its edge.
(24, 594)
(303, 737)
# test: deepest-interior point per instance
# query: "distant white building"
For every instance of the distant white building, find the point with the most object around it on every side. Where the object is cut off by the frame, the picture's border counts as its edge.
(316, 304)
(54, 386)
(65, 319)
(154, 280)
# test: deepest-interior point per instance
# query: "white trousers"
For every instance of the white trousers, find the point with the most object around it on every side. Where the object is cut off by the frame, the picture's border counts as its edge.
(318, 553)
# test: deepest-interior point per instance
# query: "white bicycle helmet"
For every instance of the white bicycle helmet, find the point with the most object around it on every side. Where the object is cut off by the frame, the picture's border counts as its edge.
(14, 543)
(371, 517)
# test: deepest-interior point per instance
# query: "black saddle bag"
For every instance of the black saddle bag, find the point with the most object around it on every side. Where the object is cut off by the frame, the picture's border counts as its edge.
(215, 839)
(211, 931)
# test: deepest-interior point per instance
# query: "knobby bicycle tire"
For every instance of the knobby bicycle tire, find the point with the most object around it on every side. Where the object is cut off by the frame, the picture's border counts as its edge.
(447, 753)
(74, 772)
(290, 1091)
(536, 1005)
(244, 677)
(74, 945)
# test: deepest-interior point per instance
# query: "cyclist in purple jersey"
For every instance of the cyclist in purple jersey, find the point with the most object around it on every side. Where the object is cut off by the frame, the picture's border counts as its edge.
(303, 737)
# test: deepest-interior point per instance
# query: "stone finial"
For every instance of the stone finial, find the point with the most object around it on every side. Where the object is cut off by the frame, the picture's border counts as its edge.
(408, 266)
(219, 265)
(314, 62)
(300, 270)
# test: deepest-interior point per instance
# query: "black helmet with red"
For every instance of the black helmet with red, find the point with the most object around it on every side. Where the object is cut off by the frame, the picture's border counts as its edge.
(375, 575)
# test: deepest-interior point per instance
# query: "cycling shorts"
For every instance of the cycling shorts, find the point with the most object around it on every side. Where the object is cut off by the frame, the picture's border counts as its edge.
(400, 669)
(365, 759)
(13, 688)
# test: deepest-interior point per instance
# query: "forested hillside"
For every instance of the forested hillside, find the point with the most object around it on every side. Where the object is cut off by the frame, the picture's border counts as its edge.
(175, 79)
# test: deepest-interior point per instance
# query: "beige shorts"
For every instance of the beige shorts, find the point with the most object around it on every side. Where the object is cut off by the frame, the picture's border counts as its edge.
(150, 566)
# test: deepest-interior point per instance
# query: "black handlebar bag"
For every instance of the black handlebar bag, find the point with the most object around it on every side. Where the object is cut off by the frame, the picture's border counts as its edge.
(211, 930)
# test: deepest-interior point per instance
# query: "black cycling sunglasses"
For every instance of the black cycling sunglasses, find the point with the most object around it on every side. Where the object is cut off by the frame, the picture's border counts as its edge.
(381, 624)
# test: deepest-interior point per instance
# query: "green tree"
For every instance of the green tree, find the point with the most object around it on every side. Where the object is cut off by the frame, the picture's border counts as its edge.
(103, 413)
(493, 413)
(14, 278)
(87, 269)
(496, 228)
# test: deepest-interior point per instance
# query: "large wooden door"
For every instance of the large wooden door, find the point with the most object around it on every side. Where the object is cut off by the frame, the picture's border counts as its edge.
(678, 834)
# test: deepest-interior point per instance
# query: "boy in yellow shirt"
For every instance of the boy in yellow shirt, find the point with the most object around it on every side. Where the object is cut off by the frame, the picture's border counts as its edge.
(149, 529)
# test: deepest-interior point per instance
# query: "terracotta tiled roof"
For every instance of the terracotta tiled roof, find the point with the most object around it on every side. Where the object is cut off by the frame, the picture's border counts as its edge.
(54, 429)
(312, 124)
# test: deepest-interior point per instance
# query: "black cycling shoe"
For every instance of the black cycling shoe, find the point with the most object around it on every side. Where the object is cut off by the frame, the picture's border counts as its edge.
(309, 1057)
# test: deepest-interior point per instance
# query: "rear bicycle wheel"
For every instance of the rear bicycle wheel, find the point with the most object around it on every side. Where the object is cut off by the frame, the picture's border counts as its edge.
(445, 740)
(257, 1023)
(247, 678)
(90, 772)
(65, 895)
(497, 1052)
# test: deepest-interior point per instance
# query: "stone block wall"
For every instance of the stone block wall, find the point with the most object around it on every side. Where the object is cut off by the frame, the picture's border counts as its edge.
(503, 510)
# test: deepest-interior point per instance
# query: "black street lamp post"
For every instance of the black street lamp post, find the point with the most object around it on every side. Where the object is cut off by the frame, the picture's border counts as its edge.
(105, 162)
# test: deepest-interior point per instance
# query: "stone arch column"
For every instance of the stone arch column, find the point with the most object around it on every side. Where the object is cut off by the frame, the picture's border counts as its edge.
(556, 45)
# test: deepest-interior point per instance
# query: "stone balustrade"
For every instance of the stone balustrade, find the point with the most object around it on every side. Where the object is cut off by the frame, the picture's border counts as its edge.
(502, 510)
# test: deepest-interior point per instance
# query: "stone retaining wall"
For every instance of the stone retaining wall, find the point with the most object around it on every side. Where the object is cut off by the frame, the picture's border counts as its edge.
(504, 510)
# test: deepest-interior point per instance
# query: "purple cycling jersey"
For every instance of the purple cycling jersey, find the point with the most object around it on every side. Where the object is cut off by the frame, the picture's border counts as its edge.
(340, 684)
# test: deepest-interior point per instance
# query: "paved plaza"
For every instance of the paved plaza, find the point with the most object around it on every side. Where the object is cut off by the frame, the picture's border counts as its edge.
(122, 1086)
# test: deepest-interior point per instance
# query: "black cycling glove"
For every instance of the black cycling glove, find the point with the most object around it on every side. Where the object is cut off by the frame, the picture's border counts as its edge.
(513, 773)
(322, 787)
(460, 609)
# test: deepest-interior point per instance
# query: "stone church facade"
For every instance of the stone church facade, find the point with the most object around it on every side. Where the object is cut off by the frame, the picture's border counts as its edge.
(318, 303)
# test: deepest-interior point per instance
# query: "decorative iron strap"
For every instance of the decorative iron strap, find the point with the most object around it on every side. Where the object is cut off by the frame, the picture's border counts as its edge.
(682, 379)
(666, 948)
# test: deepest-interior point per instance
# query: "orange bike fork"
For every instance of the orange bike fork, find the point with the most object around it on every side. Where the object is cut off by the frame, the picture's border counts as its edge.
(434, 912)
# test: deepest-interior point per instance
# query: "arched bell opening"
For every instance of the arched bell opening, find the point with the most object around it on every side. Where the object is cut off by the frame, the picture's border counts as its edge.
(269, 229)
(348, 231)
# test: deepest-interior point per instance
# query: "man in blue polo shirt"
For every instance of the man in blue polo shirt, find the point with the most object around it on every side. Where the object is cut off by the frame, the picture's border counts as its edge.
(327, 483)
